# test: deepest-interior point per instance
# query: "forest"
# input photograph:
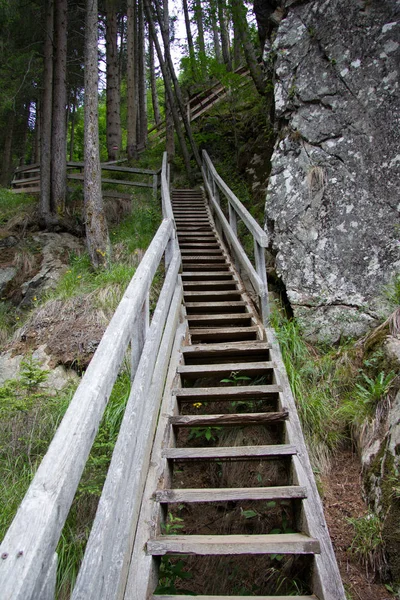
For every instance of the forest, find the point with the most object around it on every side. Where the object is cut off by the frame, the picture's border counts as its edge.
(93, 92)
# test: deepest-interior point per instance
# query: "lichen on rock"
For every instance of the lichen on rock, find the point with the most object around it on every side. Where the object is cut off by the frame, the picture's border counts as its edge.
(332, 206)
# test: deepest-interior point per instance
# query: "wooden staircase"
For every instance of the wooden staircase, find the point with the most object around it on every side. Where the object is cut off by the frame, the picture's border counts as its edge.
(230, 498)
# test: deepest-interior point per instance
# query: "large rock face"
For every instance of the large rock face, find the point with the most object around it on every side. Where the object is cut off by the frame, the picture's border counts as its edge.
(333, 197)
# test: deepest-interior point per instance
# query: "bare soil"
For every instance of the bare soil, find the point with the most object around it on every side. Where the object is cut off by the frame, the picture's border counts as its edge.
(343, 500)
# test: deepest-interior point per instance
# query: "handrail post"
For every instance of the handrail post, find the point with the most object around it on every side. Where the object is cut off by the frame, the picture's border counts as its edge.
(155, 186)
(259, 255)
(232, 219)
(139, 335)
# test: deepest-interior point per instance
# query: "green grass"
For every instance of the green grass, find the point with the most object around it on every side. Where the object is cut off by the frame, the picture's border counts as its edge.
(12, 204)
(392, 292)
(367, 542)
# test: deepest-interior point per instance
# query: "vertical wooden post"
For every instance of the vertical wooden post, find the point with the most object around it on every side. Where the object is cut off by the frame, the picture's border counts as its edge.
(259, 255)
(139, 336)
(155, 185)
(232, 219)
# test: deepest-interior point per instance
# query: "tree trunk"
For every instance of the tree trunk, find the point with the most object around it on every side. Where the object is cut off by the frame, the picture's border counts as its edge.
(153, 84)
(131, 147)
(46, 113)
(167, 82)
(178, 93)
(236, 47)
(38, 132)
(239, 12)
(7, 150)
(142, 135)
(72, 134)
(112, 90)
(59, 123)
(97, 238)
(189, 37)
(200, 34)
(226, 53)
(215, 32)
(169, 119)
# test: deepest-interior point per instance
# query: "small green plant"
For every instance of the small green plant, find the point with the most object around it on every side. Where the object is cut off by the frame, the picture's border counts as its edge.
(235, 379)
(392, 292)
(172, 525)
(372, 390)
(208, 433)
(367, 543)
(169, 576)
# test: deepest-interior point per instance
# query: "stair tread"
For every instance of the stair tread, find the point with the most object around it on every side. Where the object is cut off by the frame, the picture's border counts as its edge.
(226, 348)
(212, 293)
(228, 419)
(222, 317)
(237, 392)
(205, 597)
(230, 494)
(237, 452)
(273, 543)
(255, 367)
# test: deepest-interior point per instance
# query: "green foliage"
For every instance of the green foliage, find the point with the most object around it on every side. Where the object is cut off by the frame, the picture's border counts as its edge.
(170, 574)
(392, 292)
(13, 204)
(172, 525)
(367, 543)
(236, 379)
(208, 433)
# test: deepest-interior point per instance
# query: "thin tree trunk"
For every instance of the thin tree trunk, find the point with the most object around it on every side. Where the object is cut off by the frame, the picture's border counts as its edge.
(169, 119)
(46, 112)
(59, 124)
(131, 148)
(236, 47)
(167, 82)
(7, 150)
(200, 34)
(38, 130)
(142, 137)
(226, 54)
(239, 18)
(72, 135)
(112, 90)
(178, 93)
(189, 37)
(97, 238)
(215, 32)
(153, 84)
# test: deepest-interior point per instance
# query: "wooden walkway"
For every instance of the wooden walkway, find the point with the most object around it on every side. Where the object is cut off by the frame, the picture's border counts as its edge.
(229, 446)
(210, 490)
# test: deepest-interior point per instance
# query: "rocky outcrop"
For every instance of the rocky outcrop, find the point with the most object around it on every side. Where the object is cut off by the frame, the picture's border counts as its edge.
(333, 201)
(380, 457)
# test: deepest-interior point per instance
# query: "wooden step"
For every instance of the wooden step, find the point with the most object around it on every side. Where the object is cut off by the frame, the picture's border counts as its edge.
(210, 295)
(213, 320)
(201, 251)
(216, 307)
(278, 543)
(218, 267)
(201, 245)
(228, 394)
(242, 351)
(231, 419)
(230, 452)
(287, 492)
(224, 370)
(232, 334)
(200, 597)
(203, 275)
(209, 285)
(202, 259)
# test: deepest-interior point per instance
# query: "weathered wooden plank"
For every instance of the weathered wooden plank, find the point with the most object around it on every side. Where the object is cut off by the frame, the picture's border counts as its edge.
(42, 513)
(230, 494)
(216, 319)
(327, 580)
(231, 452)
(140, 580)
(27, 180)
(47, 589)
(232, 334)
(200, 597)
(255, 229)
(231, 419)
(242, 347)
(227, 393)
(26, 190)
(105, 564)
(231, 306)
(211, 295)
(242, 368)
(278, 543)
(80, 177)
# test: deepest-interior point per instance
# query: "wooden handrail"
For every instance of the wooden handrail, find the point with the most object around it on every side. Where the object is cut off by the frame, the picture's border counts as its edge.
(28, 565)
(258, 276)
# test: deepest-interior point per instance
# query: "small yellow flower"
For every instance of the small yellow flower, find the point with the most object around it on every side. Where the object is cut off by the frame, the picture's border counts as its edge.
(34, 298)
(79, 276)
(17, 318)
(197, 404)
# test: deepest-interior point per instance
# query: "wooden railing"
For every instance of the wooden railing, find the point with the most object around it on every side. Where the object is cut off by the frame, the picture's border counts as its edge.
(257, 275)
(27, 554)
(27, 178)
